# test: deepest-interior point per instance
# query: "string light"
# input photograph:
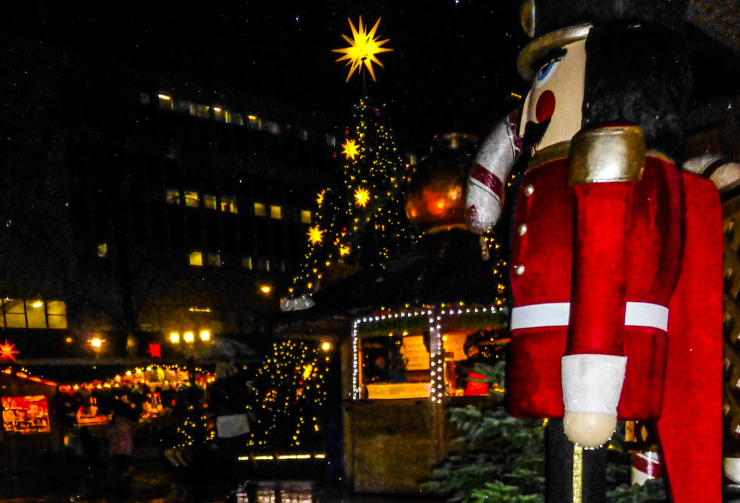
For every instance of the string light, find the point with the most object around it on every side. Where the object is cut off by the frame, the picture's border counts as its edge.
(422, 319)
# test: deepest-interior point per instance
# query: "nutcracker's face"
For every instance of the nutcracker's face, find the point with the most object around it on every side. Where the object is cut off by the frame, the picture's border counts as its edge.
(557, 93)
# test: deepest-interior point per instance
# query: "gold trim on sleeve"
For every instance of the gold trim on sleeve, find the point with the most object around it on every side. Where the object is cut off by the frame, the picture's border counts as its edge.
(607, 154)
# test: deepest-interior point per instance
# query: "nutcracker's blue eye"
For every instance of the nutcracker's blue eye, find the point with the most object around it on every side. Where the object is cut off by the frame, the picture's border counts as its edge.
(546, 71)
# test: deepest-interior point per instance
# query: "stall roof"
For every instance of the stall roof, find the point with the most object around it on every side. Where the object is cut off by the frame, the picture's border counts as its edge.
(443, 267)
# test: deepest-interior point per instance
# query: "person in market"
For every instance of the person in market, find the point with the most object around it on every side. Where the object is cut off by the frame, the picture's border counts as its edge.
(472, 382)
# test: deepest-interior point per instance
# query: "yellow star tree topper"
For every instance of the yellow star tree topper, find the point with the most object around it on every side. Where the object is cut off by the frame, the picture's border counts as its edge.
(351, 149)
(362, 50)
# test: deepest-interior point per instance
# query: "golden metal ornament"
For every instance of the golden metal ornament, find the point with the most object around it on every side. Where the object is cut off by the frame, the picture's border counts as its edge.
(607, 154)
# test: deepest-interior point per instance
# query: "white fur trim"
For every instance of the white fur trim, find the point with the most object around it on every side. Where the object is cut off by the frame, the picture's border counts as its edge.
(592, 383)
(557, 314)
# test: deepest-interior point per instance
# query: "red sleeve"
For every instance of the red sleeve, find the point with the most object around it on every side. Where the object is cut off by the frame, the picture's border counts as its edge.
(598, 278)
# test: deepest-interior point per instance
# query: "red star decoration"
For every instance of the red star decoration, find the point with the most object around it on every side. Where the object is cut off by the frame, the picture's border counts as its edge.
(155, 350)
(7, 351)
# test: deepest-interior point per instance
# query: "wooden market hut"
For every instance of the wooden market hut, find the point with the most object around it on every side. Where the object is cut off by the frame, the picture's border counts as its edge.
(402, 330)
(30, 431)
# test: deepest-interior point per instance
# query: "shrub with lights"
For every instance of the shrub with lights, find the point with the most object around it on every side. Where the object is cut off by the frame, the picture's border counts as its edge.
(290, 391)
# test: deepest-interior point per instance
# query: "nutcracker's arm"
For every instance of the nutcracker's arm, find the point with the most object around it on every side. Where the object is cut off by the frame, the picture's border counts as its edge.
(603, 166)
(487, 179)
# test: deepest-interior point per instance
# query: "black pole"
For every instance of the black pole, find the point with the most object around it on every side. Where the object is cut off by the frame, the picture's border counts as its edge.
(559, 468)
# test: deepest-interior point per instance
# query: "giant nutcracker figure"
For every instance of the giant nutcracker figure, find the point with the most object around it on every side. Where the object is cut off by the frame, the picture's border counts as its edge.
(616, 270)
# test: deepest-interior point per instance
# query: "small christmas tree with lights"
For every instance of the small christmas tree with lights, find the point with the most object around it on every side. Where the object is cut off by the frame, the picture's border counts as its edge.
(290, 392)
(360, 220)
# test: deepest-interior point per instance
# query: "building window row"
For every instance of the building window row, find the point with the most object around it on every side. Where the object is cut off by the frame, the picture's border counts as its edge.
(24, 313)
(228, 204)
(219, 114)
(198, 258)
(192, 199)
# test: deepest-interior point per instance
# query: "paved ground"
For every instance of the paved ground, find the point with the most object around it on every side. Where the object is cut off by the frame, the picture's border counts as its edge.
(156, 482)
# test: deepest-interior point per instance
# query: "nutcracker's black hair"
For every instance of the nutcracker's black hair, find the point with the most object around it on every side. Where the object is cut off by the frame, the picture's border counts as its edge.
(639, 75)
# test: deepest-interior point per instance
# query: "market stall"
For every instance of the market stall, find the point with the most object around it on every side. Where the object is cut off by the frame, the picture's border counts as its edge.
(30, 428)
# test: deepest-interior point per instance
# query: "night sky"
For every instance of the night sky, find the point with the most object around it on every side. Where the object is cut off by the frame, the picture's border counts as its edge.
(452, 68)
(453, 65)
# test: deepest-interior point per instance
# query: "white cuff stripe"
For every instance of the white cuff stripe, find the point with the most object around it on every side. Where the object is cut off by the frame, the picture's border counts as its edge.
(592, 383)
(557, 314)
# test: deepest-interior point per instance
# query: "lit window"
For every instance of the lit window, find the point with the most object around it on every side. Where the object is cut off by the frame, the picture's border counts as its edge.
(166, 102)
(303, 134)
(305, 216)
(209, 202)
(202, 111)
(173, 196)
(191, 198)
(276, 212)
(238, 119)
(35, 314)
(331, 140)
(214, 259)
(56, 312)
(247, 262)
(263, 264)
(102, 249)
(196, 258)
(259, 210)
(228, 204)
(15, 313)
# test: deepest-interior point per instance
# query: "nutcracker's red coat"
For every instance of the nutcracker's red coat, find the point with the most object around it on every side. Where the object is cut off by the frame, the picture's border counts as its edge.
(657, 241)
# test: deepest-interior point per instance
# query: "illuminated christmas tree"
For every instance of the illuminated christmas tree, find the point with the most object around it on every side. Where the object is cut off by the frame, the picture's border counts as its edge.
(360, 220)
(290, 391)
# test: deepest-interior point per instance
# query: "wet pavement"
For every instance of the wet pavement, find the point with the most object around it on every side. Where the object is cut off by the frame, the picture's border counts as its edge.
(160, 483)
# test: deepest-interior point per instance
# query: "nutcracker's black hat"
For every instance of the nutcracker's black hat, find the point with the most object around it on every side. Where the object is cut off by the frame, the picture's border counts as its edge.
(555, 23)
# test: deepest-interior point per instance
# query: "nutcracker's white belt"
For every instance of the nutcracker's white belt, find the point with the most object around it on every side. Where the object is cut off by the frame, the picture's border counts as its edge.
(557, 314)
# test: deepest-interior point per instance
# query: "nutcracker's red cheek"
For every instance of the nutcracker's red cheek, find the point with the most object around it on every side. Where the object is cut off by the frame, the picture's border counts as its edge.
(545, 106)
